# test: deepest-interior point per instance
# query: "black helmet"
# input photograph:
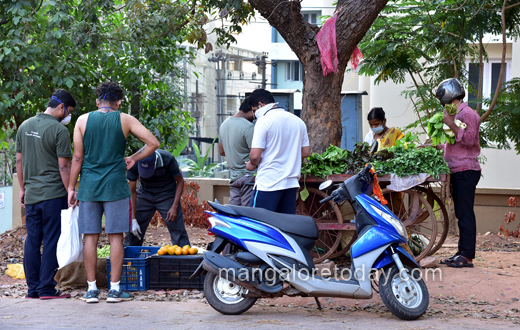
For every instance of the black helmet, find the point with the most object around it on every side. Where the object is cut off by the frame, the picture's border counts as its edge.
(449, 90)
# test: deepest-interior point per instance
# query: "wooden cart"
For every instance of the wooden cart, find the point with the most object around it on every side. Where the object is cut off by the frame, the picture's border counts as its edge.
(420, 209)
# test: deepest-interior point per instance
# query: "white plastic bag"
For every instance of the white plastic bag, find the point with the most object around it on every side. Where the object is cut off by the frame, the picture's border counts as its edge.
(70, 244)
(406, 182)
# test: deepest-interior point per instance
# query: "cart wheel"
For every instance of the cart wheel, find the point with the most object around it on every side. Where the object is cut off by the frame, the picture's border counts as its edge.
(328, 240)
(418, 217)
(441, 214)
(346, 248)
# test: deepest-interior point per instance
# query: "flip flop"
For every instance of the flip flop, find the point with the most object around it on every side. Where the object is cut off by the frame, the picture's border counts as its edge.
(57, 295)
(450, 259)
(459, 262)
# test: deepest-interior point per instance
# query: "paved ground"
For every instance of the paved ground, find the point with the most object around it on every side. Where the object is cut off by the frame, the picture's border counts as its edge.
(59, 314)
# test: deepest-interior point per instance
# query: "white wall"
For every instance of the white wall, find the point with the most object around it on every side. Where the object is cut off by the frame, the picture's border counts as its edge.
(6, 213)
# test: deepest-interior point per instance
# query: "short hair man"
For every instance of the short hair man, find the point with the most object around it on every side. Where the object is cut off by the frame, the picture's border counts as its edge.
(235, 138)
(43, 166)
(99, 147)
(161, 190)
(279, 144)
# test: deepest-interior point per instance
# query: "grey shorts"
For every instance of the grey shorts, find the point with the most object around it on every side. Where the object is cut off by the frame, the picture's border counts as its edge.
(118, 217)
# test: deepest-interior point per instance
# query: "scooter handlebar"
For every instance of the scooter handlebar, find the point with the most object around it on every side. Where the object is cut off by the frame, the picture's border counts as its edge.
(326, 199)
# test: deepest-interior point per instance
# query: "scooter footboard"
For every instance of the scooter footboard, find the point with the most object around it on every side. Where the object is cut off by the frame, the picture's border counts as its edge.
(386, 258)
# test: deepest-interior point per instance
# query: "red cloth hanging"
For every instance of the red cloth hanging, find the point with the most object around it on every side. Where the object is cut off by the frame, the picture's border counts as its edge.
(326, 39)
(356, 57)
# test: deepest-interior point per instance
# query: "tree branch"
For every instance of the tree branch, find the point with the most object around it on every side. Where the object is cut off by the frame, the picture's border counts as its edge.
(455, 9)
(418, 115)
(502, 66)
(480, 73)
(509, 7)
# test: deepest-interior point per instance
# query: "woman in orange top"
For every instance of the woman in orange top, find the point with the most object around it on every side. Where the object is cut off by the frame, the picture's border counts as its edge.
(386, 136)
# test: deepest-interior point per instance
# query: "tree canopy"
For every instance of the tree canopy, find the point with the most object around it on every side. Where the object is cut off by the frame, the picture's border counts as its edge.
(429, 41)
(77, 44)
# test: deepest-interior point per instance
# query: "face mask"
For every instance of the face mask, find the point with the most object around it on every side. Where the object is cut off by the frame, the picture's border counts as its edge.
(66, 120)
(377, 130)
(262, 111)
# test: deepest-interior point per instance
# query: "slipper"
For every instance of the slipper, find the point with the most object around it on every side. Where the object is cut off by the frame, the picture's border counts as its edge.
(450, 259)
(57, 295)
(458, 262)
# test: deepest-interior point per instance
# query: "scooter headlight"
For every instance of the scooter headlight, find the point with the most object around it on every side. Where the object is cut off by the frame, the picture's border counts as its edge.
(398, 225)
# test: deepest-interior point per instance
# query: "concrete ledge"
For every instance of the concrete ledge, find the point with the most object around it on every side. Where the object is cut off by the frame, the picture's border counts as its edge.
(212, 188)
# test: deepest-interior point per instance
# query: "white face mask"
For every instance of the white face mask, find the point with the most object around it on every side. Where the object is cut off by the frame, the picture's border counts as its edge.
(66, 120)
(262, 111)
(377, 130)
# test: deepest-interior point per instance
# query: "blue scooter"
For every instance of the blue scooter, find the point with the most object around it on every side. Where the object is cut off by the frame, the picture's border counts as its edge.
(270, 256)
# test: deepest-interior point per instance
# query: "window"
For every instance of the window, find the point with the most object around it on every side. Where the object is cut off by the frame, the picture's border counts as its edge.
(311, 17)
(489, 81)
(293, 71)
(234, 64)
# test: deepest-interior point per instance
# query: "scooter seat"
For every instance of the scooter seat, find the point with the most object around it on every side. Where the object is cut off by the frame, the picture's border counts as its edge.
(290, 223)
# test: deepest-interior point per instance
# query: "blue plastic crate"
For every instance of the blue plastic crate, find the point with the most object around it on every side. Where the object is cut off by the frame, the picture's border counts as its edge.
(135, 274)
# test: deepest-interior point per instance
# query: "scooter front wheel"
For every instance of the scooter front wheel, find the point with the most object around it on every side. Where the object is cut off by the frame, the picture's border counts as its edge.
(225, 296)
(407, 300)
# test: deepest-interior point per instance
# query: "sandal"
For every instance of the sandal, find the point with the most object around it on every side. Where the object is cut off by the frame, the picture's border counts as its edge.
(458, 262)
(450, 259)
(57, 295)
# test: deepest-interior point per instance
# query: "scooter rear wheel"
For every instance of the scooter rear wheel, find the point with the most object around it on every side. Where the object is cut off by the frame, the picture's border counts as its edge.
(406, 301)
(225, 296)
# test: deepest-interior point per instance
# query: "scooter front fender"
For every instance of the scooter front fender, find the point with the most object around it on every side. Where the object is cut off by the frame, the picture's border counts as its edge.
(386, 258)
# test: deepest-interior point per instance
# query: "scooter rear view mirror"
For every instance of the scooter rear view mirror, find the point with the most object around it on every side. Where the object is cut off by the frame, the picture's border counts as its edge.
(374, 147)
(325, 185)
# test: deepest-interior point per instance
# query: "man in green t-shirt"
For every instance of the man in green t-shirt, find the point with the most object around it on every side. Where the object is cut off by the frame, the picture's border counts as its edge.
(235, 136)
(43, 167)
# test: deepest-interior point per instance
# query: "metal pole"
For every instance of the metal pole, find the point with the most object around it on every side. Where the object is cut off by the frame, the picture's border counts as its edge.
(185, 84)
(264, 80)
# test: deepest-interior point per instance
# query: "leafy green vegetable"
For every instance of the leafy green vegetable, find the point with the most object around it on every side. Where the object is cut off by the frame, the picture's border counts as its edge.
(409, 160)
(332, 161)
(104, 252)
(436, 132)
(451, 109)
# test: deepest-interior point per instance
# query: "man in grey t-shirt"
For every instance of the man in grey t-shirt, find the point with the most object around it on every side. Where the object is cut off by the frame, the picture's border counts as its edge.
(236, 135)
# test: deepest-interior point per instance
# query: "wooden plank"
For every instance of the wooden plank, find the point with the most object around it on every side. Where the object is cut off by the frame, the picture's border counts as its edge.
(336, 226)
(338, 178)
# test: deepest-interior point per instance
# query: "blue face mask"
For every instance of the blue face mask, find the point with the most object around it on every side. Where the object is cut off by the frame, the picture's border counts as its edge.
(377, 130)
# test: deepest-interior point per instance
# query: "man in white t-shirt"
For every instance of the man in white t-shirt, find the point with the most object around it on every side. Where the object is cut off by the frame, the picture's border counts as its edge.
(279, 144)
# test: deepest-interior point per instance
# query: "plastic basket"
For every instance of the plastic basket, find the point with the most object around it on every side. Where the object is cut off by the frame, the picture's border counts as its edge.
(173, 272)
(135, 272)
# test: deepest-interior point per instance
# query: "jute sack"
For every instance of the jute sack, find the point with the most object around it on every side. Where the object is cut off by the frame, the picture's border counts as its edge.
(74, 275)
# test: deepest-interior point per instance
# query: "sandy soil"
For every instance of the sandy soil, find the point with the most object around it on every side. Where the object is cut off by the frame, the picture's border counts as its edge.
(489, 290)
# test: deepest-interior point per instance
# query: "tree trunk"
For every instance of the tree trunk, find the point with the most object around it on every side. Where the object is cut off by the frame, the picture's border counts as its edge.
(321, 94)
(321, 107)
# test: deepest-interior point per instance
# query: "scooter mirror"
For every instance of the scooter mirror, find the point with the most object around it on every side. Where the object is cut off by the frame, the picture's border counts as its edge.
(374, 147)
(325, 185)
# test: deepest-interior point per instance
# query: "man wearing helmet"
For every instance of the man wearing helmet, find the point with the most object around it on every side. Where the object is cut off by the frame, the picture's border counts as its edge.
(464, 168)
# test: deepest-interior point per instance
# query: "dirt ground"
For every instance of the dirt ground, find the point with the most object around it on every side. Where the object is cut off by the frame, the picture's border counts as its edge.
(490, 290)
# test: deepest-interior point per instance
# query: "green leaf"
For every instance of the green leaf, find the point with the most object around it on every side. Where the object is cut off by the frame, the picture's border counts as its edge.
(304, 194)
(69, 83)
(180, 147)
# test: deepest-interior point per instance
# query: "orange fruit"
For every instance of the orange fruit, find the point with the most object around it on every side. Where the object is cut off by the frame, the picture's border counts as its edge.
(185, 251)
(161, 252)
(171, 250)
(193, 250)
(178, 251)
(175, 246)
(186, 246)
